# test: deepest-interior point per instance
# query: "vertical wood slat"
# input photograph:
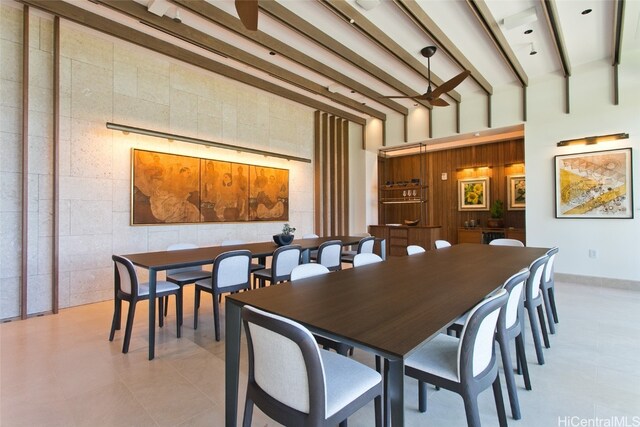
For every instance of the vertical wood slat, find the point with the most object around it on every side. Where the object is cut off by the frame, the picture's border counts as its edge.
(56, 163)
(325, 172)
(25, 163)
(317, 175)
(345, 168)
(332, 173)
(339, 178)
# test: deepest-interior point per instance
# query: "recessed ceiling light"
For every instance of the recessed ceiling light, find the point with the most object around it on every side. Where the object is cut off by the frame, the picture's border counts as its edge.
(533, 50)
(351, 21)
(586, 11)
(364, 103)
(529, 31)
(415, 105)
(353, 91)
(272, 53)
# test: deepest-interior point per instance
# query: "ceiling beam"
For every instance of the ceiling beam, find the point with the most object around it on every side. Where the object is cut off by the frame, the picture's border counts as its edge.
(491, 27)
(218, 16)
(205, 41)
(379, 37)
(306, 29)
(415, 12)
(551, 16)
(123, 32)
(618, 24)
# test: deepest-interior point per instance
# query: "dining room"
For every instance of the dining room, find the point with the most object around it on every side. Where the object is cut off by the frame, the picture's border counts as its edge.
(128, 140)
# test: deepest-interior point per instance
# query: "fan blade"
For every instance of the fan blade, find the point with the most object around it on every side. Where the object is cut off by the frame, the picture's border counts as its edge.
(450, 84)
(248, 13)
(437, 102)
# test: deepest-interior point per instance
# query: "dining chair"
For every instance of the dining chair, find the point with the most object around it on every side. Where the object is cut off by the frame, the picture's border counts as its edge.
(128, 288)
(506, 242)
(365, 246)
(439, 244)
(285, 258)
(296, 383)
(467, 365)
(363, 259)
(329, 254)
(185, 275)
(415, 249)
(533, 302)
(548, 290)
(255, 266)
(231, 273)
(304, 271)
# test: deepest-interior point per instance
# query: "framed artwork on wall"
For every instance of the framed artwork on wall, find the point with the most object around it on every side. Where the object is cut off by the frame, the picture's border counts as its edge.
(594, 185)
(516, 192)
(176, 189)
(473, 194)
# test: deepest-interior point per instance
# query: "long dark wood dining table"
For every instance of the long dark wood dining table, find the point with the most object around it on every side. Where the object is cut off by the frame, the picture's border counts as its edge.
(167, 260)
(388, 309)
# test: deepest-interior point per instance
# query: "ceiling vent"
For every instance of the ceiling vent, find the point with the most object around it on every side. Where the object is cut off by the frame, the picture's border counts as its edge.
(158, 7)
(526, 17)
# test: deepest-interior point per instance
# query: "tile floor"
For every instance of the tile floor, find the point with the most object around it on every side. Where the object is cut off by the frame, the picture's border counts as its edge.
(62, 371)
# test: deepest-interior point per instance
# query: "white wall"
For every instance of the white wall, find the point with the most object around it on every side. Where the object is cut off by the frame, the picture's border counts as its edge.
(592, 113)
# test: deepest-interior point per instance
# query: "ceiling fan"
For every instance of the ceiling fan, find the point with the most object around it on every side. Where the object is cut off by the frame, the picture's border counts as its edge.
(248, 13)
(432, 96)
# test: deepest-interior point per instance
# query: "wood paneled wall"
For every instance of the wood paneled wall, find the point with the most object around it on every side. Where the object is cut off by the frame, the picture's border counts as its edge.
(331, 175)
(496, 160)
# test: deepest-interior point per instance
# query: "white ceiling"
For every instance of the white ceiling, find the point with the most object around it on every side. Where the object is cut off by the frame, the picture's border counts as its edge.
(587, 38)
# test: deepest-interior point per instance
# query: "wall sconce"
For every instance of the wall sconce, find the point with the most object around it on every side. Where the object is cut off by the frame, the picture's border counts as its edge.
(173, 137)
(590, 140)
(473, 168)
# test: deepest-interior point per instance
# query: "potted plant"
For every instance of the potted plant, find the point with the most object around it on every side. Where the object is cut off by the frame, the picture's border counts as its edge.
(286, 236)
(496, 213)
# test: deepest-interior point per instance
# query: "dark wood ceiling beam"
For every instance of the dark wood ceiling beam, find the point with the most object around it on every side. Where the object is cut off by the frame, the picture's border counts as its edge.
(308, 30)
(618, 22)
(491, 27)
(551, 17)
(233, 24)
(345, 11)
(205, 41)
(123, 32)
(431, 29)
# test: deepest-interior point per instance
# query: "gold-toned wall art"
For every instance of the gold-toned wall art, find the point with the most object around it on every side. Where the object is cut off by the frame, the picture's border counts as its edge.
(473, 194)
(175, 189)
(516, 192)
(594, 185)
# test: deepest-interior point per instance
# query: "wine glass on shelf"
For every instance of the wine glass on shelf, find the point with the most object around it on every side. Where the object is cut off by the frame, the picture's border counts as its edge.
(404, 193)
(414, 193)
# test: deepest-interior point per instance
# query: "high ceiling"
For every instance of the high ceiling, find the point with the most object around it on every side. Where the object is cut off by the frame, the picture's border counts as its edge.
(349, 54)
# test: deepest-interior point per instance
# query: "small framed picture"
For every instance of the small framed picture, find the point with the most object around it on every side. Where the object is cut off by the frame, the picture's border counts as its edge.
(473, 194)
(516, 189)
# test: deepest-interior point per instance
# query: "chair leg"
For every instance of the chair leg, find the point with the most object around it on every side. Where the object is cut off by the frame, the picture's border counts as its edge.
(216, 315)
(377, 403)
(115, 323)
(552, 299)
(343, 424)
(547, 308)
(196, 305)
(509, 378)
(248, 412)
(422, 396)
(129, 327)
(535, 332)
(518, 366)
(497, 394)
(522, 358)
(178, 311)
(166, 305)
(543, 327)
(471, 409)
(160, 311)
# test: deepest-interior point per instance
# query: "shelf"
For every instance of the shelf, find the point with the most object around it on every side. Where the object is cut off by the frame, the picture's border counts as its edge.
(401, 202)
(402, 187)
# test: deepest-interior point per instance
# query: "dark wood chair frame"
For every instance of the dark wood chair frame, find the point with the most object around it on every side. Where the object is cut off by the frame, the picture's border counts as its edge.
(322, 252)
(133, 298)
(348, 257)
(469, 386)
(283, 413)
(548, 290)
(269, 274)
(534, 303)
(216, 291)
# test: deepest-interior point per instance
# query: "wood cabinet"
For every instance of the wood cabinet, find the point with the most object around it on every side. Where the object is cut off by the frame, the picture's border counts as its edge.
(399, 237)
(485, 235)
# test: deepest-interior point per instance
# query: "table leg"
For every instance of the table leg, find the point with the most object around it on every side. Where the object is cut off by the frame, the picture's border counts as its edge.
(232, 361)
(152, 312)
(304, 256)
(396, 391)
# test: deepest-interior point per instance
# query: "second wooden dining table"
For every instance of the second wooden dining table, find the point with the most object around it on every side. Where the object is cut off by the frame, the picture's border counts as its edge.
(388, 309)
(166, 260)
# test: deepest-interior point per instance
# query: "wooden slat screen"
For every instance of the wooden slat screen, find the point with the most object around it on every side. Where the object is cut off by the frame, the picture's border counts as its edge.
(331, 175)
